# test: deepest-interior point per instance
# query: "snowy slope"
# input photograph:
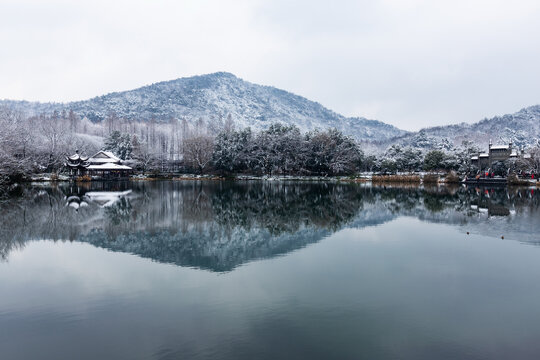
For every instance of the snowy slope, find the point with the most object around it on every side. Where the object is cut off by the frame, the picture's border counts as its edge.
(522, 128)
(215, 96)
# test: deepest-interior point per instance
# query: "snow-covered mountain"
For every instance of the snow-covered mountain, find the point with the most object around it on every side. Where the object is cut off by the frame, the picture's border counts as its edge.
(522, 128)
(212, 97)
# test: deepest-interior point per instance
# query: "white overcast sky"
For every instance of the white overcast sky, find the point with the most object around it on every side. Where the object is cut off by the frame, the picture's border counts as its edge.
(410, 63)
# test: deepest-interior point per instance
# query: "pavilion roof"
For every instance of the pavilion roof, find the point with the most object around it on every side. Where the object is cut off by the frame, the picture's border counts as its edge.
(109, 166)
(77, 157)
(77, 165)
(104, 157)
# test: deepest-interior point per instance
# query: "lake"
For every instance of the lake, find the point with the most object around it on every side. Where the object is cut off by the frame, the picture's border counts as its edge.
(269, 270)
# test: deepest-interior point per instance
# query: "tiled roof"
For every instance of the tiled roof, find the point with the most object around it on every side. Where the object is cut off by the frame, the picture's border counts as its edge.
(109, 166)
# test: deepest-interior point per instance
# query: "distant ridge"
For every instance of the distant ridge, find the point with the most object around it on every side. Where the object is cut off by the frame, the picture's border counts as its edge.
(522, 128)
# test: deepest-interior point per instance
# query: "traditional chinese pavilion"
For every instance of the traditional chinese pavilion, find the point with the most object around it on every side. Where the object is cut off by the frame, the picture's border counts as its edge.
(104, 164)
(76, 164)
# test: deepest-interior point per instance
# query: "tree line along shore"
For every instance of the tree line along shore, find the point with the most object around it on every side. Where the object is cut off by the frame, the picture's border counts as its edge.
(39, 145)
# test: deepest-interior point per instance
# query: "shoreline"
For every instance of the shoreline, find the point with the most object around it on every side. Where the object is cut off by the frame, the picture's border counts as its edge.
(404, 179)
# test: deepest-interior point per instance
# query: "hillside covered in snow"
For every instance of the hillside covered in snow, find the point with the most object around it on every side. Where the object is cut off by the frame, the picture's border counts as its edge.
(214, 97)
(522, 128)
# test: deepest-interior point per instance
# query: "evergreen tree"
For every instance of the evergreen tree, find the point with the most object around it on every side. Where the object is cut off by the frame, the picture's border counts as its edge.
(434, 160)
(119, 144)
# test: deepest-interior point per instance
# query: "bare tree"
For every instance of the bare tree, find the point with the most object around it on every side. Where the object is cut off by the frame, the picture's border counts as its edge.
(14, 139)
(53, 131)
(198, 151)
(73, 122)
(111, 121)
(535, 159)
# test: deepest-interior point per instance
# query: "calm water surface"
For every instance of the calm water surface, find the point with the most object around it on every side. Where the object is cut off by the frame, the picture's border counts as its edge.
(191, 270)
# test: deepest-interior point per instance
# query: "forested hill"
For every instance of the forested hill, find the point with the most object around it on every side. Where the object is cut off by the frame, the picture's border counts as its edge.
(213, 97)
(522, 128)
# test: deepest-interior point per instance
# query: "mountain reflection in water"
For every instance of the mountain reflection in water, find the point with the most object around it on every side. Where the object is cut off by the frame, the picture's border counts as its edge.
(220, 225)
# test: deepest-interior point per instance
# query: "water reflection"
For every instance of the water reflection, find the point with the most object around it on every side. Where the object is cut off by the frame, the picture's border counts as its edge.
(221, 225)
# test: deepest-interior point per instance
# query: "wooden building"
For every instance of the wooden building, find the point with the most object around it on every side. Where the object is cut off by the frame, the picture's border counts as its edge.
(496, 153)
(77, 165)
(104, 165)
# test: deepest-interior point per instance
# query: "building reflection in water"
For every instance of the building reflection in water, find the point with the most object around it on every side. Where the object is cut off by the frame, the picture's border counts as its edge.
(220, 225)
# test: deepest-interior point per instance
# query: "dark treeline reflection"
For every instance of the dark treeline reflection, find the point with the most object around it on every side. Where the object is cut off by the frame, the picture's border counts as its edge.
(220, 225)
